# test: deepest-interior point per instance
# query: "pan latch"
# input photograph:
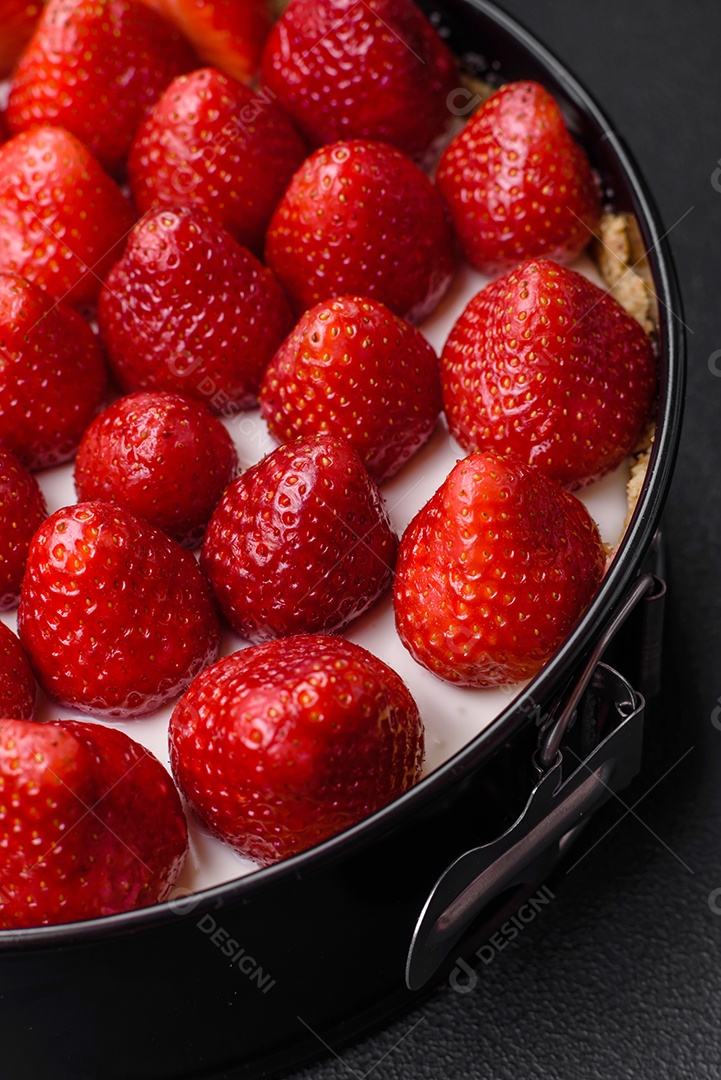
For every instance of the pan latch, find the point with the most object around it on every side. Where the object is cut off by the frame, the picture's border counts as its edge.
(569, 787)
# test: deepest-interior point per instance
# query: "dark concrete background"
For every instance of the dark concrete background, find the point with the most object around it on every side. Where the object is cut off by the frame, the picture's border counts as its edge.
(620, 976)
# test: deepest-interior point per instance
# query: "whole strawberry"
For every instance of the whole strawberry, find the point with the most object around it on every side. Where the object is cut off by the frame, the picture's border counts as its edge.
(162, 456)
(544, 364)
(187, 309)
(227, 34)
(354, 370)
(359, 218)
(62, 219)
(46, 348)
(115, 617)
(213, 144)
(95, 67)
(494, 572)
(281, 746)
(22, 511)
(376, 70)
(300, 542)
(17, 684)
(517, 184)
(95, 822)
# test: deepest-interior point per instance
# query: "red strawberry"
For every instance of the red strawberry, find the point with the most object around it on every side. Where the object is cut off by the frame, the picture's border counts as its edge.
(90, 824)
(161, 456)
(227, 34)
(372, 70)
(45, 349)
(187, 309)
(361, 218)
(517, 184)
(301, 542)
(213, 144)
(22, 511)
(18, 21)
(280, 746)
(494, 572)
(95, 67)
(62, 219)
(545, 364)
(17, 685)
(115, 617)
(354, 370)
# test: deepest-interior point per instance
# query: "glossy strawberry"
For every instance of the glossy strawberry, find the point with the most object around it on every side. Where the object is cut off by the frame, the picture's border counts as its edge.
(62, 219)
(225, 33)
(354, 370)
(22, 511)
(52, 374)
(18, 22)
(213, 144)
(300, 542)
(90, 824)
(376, 70)
(95, 67)
(545, 364)
(17, 684)
(187, 309)
(281, 746)
(115, 617)
(359, 218)
(517, 184)
(162, 456)
(494, 572)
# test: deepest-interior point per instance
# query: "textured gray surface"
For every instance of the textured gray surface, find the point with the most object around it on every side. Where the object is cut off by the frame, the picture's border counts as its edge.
(620, 976)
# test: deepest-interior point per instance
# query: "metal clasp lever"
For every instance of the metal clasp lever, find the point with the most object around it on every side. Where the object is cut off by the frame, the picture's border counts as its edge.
(556, 806)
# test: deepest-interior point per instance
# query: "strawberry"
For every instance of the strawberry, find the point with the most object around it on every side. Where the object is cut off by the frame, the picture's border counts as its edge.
(95, 67)
(90, 824)
(517, 184)
(62, 219)
(301, 542)
(164, 457)
(354, 370)
(494, 572)
(212, 144)
(17, 685)
(45, 348)
(373, 70)
(280, 746)
(225, 33)
(115, 617)
(22, 511)
(545, 364)
(349, 223)
(18, 22)
(187, 309)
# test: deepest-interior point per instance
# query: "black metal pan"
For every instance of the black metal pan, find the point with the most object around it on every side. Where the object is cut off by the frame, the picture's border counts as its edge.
(252, 977)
